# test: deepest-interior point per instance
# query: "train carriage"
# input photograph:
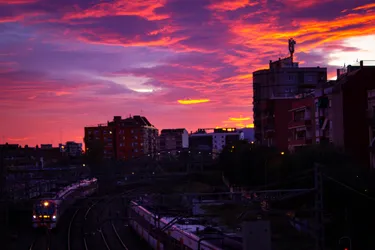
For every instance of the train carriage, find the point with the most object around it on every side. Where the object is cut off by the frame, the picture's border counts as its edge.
(49, 209)
(176, 236)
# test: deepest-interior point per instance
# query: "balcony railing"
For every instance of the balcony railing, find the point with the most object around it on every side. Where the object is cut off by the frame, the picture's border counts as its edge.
(300, 141)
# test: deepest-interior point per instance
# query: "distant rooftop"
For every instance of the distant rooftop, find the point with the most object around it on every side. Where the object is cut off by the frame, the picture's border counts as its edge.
(173, 130)
(135, 120)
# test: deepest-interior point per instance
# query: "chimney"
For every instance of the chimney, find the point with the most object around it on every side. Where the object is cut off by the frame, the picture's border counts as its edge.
(338, 73)
(361, 64)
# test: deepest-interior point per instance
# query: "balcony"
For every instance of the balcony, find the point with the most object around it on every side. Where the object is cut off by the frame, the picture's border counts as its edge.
(300, 141)
(300, 123)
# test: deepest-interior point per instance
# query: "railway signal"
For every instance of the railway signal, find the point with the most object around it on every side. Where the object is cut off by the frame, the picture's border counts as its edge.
(345, 243)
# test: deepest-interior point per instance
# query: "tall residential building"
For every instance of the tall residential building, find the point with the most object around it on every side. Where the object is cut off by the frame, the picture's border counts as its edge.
(351, 108)
(173, 140)
(124, 138)
(273, 89)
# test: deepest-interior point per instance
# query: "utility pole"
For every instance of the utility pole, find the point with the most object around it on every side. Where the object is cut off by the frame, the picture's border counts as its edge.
(319, 216)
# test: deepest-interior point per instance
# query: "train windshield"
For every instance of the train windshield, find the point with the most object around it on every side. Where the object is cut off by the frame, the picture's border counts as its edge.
(45, 209)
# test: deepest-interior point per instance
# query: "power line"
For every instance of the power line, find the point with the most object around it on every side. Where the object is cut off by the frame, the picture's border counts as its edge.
(349, 188)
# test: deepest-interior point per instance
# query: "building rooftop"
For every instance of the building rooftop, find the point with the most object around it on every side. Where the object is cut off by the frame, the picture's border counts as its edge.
(135, 121)
(173, 130)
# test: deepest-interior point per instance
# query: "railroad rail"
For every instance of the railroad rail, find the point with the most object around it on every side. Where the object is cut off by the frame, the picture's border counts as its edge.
(41, 241)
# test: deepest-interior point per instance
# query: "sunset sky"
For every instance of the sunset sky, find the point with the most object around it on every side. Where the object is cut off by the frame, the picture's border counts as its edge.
(66, 64)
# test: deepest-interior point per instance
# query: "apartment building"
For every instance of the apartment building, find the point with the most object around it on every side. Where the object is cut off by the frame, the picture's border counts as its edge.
(215, 141)
(172, 141)
(124, 138)
(301, 127)
(351, 109)
(273, 91)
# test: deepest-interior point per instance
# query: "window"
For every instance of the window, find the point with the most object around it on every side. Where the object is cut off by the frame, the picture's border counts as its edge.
(309, 78)
(291, 77)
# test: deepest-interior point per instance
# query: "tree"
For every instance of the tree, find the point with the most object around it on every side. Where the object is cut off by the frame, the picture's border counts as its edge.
(94, 154)
(245, 164)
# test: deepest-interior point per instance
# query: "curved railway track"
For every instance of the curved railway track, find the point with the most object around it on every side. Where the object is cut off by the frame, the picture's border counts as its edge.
(108, 232)
(76, 229)
(118, 237)
(77, 239)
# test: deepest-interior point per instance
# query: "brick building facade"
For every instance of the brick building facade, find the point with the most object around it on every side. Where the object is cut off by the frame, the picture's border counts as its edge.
(124, 138)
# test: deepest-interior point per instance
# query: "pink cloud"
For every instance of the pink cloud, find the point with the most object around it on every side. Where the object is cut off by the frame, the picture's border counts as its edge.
(65, 58)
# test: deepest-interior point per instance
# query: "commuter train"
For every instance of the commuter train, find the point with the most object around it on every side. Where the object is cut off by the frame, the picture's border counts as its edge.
(48, 210)
(184, 234)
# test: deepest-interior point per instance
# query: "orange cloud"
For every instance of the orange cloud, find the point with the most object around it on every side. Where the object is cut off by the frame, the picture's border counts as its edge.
(196, 101)
(239, 119)
(304, 4)
(365, 7)
(310, 33)
(230, 5)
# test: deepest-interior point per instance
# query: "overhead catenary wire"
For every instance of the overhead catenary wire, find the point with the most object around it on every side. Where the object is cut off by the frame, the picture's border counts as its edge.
(349, 188)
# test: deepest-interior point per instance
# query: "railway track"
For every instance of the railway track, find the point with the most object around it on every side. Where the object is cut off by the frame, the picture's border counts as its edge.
(76, 229)
(118, 237)
(42, 241)
(108, 232)
(83, 219)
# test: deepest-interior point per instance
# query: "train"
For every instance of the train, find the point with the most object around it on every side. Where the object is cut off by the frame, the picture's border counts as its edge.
(183, 233)
(48, 210)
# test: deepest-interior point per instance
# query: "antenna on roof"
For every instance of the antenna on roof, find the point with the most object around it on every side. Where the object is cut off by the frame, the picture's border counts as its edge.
(60, 135)
(291, 42)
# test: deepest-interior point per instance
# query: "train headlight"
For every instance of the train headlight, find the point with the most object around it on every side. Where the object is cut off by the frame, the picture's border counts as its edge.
(54, 217)
(46, 203)
(34, 216)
